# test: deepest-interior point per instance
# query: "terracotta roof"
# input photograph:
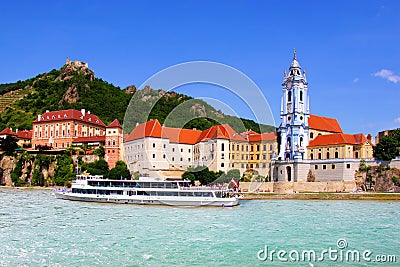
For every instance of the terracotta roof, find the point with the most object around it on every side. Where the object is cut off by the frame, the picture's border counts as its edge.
(115, 124)
(7, 131)
(324, 124)
(181, 136)
(338, 139)
(24, 134)
(222, 131)
(88, 139)
(70, 114)
(256, 137)
(154, 129)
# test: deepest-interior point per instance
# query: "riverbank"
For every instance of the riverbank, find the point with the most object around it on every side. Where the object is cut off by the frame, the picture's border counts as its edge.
(323, 196)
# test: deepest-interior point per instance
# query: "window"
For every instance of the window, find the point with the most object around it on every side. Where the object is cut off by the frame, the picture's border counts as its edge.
(316, 167)
(301, 95)
(222, 164)
(289, 96)
(154, 156)
(324, 167)
(181, 149)
(154, 145)
(327, 155)
(348, 166)
(222, 147)
(336, 155)
(181, 159)
(163, 156)
(173, 159)
(312, 156)
(173, 149)
(222, 156)
(264, 147)
(356, 155)
(311, 135)
(189, 150)
(319, 155)
(164, 146)
(333, 166)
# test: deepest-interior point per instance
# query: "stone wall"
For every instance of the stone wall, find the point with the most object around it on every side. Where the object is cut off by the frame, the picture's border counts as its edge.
(298, 187)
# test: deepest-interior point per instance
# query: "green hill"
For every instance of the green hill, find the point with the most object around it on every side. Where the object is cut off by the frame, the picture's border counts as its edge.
(74, 86)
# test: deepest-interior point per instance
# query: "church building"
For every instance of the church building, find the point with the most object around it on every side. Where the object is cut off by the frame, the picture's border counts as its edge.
(313, 144)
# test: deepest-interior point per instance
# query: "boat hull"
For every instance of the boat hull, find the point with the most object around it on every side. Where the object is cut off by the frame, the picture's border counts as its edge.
(150, 200)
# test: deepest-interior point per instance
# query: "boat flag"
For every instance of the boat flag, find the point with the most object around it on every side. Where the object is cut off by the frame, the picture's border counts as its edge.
(235, 184)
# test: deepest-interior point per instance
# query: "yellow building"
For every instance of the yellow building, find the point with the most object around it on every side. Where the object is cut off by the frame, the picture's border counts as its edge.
(340, 146)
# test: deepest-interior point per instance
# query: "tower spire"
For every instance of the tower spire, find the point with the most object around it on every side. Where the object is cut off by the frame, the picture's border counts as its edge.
(294, 54)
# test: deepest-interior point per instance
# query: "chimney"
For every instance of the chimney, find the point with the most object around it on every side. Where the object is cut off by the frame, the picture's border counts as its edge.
(16, 130)
(369, 138)
(38, 117)
(83, 112)
(47, 111)
(88, 112)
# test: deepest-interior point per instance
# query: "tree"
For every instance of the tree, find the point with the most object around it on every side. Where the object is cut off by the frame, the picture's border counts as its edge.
(100, 152)
(310, 176)
(388, 146)
(189, 176)
(120, 171)
(8, 144)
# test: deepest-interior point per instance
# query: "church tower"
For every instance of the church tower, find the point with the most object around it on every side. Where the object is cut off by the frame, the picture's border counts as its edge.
(295, 111)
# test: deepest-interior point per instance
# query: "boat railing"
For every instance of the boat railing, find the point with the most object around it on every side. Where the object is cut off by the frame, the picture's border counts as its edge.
(221, 188)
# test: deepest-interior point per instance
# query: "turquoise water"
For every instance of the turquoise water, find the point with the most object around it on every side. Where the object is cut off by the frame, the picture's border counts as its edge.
(38, 230)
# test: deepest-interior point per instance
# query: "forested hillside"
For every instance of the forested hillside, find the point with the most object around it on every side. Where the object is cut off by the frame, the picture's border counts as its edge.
(76, 87)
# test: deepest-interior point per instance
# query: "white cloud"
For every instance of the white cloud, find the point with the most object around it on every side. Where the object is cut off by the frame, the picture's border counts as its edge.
(356, 80)
(397, 120)
(388, 75)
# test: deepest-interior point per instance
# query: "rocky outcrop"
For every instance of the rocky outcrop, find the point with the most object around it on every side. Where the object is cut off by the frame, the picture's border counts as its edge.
(379, 179)
(75, 67)
(71, 95)
(199, 110)
(7, 164)
(131, 89)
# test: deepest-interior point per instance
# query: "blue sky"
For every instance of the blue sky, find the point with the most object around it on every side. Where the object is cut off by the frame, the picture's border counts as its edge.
(350, 49)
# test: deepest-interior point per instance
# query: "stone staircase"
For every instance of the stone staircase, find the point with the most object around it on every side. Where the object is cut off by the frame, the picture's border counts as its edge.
(8, 98)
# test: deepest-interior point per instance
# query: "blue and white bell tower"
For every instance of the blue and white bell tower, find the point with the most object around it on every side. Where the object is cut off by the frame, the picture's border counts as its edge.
(295, 111)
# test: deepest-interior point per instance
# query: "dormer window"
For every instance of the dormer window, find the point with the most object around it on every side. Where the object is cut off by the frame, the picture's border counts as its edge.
(65, 116)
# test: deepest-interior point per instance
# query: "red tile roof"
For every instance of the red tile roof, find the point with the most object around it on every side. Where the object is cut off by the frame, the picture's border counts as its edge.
(88, 139)
(70, 114)
(324, 124)
(115, 124)
(222, 131)
(253, 136)
(154, 129)
(338, 139)
(24, 134)
(181, 136)
(7, 131)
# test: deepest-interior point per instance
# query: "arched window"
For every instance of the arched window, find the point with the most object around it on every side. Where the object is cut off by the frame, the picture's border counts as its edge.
(301, 95)
(301, 141)
(311, 135)
(312, 156)
(327, 155)
(113, 142)
(336, 155)
(289, 96)
(289, 143)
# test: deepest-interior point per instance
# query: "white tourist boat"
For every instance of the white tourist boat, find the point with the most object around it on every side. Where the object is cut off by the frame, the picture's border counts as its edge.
(147, 191)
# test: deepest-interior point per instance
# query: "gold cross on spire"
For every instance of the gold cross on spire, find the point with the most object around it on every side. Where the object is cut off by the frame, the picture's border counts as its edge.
(294, 53)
